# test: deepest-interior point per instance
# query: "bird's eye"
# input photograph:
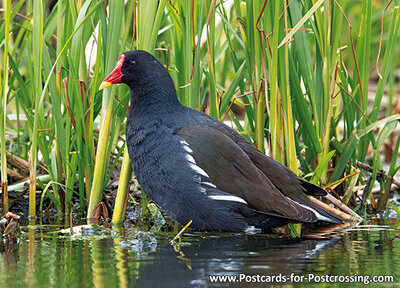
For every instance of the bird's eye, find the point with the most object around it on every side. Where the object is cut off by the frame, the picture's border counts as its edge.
(132, 62)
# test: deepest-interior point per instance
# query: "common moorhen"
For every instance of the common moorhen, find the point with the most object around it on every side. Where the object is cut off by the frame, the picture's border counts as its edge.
(196, 168)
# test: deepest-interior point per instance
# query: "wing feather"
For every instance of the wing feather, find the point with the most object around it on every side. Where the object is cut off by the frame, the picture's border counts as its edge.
(232, 171)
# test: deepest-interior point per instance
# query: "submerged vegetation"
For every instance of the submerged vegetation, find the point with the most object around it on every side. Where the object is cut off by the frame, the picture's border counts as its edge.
(293, 77)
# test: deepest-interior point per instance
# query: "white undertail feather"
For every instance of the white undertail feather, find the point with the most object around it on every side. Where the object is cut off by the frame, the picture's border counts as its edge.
(252, 230)
(319, 216)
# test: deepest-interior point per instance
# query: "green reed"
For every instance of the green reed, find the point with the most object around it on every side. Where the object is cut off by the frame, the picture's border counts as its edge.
(300, 71)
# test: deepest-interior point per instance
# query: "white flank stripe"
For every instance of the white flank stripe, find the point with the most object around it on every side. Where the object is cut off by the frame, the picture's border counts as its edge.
(228, 198)
(187, 149)
(198, 170)
(190, 158)
(186, 146)
(209, 184)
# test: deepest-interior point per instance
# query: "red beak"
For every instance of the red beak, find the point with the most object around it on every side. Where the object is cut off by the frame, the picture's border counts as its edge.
(115, 76)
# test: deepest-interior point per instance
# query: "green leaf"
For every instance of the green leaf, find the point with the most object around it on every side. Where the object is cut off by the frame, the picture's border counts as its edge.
(228, 95)
(322, 166)
(395, 208)
(352, 142)
(385, 133)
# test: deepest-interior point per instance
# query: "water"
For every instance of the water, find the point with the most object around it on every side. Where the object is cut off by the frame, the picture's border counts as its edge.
(43, 257)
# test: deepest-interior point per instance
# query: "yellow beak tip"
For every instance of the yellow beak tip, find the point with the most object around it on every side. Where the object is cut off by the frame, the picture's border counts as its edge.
(105, 84)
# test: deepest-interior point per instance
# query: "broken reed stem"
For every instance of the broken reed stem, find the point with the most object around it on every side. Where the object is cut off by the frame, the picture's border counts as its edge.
(335, 211)
(17, 162)
(381, 173)
(341, 206)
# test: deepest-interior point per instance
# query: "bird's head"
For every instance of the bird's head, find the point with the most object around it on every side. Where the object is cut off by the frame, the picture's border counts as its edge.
(136, 67)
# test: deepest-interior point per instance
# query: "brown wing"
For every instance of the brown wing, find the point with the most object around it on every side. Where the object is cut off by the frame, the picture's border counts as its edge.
(284, 179)
(281, 176)
(232, 171)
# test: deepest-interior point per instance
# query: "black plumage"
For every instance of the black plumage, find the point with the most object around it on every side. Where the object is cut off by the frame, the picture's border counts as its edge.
(196, 168)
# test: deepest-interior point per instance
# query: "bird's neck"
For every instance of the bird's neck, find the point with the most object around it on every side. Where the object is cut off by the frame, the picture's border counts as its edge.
(148, 98)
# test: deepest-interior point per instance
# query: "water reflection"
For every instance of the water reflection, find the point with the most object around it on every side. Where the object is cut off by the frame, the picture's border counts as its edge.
(9, 251)
(250, 255)
(43, 258)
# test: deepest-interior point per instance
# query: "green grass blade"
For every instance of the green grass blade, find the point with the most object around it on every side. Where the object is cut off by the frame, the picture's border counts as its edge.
(3, 105)
(322, 166)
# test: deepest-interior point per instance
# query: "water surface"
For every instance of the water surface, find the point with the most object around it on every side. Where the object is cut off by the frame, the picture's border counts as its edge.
(43, 257)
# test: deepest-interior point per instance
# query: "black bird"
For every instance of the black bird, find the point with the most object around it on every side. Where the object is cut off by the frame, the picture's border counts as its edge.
(196, 168)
